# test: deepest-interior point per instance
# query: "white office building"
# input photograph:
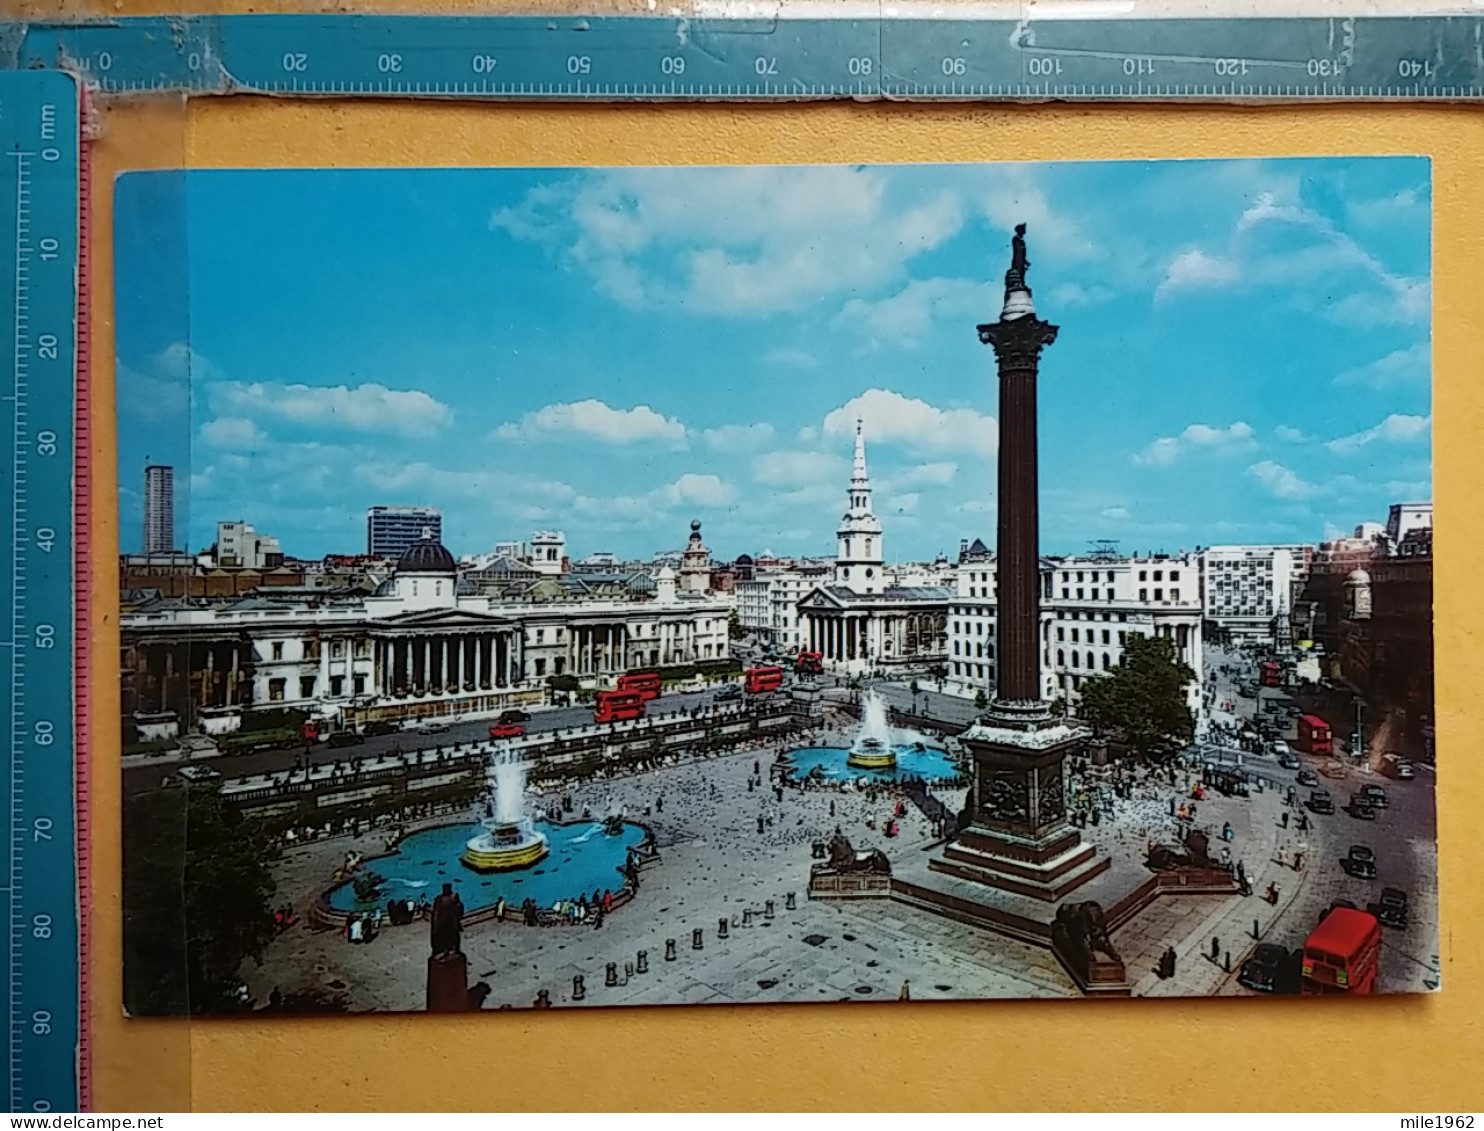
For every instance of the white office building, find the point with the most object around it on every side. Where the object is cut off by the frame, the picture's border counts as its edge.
(1248, 587)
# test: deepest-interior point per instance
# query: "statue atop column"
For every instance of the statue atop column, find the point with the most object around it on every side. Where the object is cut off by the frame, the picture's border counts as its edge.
(448, 909)
(1015, 277)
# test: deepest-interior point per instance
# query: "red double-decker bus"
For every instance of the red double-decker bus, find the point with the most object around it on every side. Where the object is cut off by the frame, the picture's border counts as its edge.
(809, 663)
(1270, 673)
(765, 677)
(1342, 954)
(646, 684)
(612, 706)
(1314, 736)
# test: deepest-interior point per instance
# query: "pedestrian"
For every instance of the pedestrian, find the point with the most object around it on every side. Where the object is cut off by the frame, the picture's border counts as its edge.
(1285, 818)
(1215, 947)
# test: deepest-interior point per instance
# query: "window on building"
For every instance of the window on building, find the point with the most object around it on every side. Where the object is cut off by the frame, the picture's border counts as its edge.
(558, 664)
(1174, 594)
(278, 650)
(1122, 636)
(1061, 658)
(337, 686)
(1143, 575)
(540, 667)
(1079, 575)
(1065, 594)
(337, 648)
(1122, 619)
(1105, 636)
(1107, 663)
(1079, 594)
(1143, 594)
(275, 690)
(955, 648)
(306, 687)
(1075, 636)
(1159, 575)
(1159, 594)
(1060, 633)
(1074, 657)
(1091, 663)
(359, 683)
(989, 650)
(1174, 575)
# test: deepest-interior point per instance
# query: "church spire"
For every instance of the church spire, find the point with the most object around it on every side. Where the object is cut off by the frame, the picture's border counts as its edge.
(858, 560)
(860, 481)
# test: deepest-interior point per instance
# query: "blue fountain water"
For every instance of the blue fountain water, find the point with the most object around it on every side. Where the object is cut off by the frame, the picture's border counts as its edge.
(934, 765)
(583, 859)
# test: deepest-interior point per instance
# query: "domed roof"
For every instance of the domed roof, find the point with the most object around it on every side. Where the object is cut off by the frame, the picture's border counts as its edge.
(426, 556)
(744, 559)
(1358, 577)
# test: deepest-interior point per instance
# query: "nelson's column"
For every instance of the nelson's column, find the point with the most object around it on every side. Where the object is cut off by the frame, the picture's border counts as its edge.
(1013, 834)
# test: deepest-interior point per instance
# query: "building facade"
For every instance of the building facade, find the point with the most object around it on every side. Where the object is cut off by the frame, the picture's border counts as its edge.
(392, 531)
(159, 509)
(418, 647)
(1089, 608)
(1248, 589)
(238, 544)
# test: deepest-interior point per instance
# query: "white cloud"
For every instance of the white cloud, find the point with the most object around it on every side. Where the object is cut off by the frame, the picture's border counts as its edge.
(737, 438)
(906, 318)
(1412, 365)
(1193, 268)
(1281, 481)
(1167, 449)
(1076, 294)
(734, 241)
(365, 408)
(1397, 428)
(232, 433)
(890, 417)
(1113, 513)
(690, 489)
(795, 358)
(925, 475)
(159, 386)
(1289, 435)
(421, 480)
(1407, 205)
(1277, 245)
(597, 421)
(795, 469)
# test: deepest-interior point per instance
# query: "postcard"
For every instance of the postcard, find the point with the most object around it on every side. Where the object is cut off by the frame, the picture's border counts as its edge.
(548, 588)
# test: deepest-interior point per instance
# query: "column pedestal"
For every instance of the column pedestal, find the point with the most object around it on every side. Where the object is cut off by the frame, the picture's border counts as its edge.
(448, 983)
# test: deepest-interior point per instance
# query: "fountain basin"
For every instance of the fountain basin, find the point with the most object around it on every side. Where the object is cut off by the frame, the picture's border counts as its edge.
(504, 846)
(871, 754)
(834, 763)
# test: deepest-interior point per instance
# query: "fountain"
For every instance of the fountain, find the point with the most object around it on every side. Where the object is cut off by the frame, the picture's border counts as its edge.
(509, 841)
(872, 749)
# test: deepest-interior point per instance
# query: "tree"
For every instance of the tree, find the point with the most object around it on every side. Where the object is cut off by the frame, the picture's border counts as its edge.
(1143, 699)
(197, 892)
(735, 631)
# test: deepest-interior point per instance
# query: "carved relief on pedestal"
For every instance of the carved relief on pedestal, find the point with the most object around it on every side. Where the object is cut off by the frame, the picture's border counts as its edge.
(1004, 795)
(1051, 804)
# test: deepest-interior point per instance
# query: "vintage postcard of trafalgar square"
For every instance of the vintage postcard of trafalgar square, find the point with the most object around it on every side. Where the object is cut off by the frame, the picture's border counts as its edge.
(597, 587)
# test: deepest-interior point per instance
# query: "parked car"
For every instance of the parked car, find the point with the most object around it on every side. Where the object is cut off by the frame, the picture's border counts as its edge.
(197, 773)
(1308, 778)
(1393, 765)
(1320, 801)
(1391, 909)
(433, 728)
(1360, 808)
(343, 738)
(1374, 795)
(513, 715)
(1271, 969)
(507, 730)
(380, 727)
(1359, 862)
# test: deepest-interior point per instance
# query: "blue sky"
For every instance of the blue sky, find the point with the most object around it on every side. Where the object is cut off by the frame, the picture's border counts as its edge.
(1244, 352)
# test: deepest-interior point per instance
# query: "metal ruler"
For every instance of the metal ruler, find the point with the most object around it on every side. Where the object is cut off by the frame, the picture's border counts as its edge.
(39, 187)
(666, 58)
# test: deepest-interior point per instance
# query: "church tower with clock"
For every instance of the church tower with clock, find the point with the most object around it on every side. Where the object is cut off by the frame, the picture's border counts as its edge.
(858, 554)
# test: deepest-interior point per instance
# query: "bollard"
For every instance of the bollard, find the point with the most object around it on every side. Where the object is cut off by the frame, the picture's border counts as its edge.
(721, 928)
(1256, 931)
(768, 909)
(695, 939)
(747, 917)
(789, 904)
(642, 966)
(628, 971)
(611, 977)
(670, 950)
(1228, 963)
(578, 990)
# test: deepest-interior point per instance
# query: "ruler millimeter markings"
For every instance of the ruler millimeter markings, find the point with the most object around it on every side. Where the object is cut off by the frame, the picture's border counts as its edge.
(621, 58)
(39, 887)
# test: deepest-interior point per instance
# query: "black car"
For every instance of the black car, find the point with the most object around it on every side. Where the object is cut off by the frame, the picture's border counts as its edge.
(380, 727)
(1360, 862)
(1308, 778)
(514, 715)
(1320, 802)
(1391, 909)
(1360, 808)
(729, 692)
(1374, 796)
(343, 738)
(1271, 969)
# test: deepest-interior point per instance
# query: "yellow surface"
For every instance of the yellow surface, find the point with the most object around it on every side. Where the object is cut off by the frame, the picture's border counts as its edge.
(1417, 1053)
(504, 859)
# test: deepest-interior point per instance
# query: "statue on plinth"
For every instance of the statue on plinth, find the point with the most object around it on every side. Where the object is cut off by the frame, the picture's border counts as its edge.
(1019, 264)
(448, 910)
